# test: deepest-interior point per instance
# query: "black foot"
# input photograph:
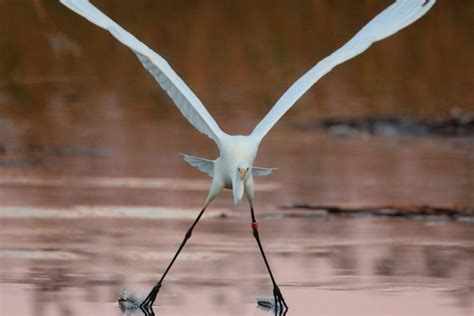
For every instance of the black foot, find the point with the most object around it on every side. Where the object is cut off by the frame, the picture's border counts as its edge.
(147, 311)
(147, 305)
(280, 305)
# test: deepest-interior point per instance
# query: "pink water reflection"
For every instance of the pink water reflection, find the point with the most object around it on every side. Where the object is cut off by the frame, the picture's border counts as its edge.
(94, 196)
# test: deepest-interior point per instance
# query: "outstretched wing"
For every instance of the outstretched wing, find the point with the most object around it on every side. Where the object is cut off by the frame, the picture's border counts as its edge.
(186, 101)
(394, 18)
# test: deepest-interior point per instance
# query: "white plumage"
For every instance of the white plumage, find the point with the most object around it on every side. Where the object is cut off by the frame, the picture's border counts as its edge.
(186, 101)
(234, 169)
(390, 21)
(237, 153)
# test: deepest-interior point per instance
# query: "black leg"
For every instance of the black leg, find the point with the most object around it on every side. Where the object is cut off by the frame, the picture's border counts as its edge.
(147, 311)
(150, 299)
(280, 303)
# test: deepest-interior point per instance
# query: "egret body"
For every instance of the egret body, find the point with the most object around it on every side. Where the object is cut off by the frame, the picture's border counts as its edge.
(234, 168)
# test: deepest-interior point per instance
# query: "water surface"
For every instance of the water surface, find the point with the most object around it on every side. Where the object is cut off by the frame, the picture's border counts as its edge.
(326, 266)
(94, 196)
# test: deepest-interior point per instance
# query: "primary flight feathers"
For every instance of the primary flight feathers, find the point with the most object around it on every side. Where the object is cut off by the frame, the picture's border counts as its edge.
(186, 101)
(394, 18)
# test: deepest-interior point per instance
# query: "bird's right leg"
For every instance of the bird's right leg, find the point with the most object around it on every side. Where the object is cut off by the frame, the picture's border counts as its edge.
(280, 304)
(150, 299)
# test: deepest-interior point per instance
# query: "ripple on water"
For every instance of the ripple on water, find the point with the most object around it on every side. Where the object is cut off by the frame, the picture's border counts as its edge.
(38, 254)
(105, 212)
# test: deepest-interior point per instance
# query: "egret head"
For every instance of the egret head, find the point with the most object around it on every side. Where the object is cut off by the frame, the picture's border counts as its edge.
(238, 180)
(243, 170)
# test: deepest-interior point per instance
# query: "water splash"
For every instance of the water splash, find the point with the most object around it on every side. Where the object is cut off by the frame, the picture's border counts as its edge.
(129, 301)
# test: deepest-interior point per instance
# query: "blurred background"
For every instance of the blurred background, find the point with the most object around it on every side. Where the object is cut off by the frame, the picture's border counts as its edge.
(94, 195)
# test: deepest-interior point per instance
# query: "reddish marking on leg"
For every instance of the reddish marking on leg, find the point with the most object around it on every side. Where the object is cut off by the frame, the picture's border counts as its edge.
(254, 225)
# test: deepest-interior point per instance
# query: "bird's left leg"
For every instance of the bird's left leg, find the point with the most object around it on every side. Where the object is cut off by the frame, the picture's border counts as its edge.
(150, 299)
(216, 188)
(278, 297)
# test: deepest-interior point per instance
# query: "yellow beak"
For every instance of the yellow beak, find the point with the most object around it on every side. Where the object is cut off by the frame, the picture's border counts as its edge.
(242, 172)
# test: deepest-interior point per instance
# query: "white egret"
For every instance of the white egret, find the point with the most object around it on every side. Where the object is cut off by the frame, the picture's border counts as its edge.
(234, 168)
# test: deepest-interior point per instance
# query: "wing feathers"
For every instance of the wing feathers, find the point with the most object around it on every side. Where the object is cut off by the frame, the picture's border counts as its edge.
(394, 18)
(204, 165)
(186, 101)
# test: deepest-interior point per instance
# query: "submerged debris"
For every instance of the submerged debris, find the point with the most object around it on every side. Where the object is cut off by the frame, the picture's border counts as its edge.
(423, 212)
(266, 303)
(456, 123)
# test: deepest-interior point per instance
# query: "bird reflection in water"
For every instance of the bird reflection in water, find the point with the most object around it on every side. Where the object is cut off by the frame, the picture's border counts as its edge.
(147, 310)
(131, 305)
(263, 304)
(269, 305)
